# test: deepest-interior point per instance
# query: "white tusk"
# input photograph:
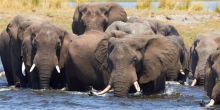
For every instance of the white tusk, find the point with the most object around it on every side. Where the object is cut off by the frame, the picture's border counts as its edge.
(32, 67)
(182, 72)
(194, 82)
(23, 69)
(211, 103)
(58, 69)
(103, 91)
(137, 87)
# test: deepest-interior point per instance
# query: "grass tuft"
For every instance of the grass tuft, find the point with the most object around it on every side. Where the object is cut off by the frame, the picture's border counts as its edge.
(198, 6)
(143, 4)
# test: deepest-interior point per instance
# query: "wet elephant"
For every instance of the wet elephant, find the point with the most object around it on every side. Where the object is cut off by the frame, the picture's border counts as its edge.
(212, 78)
(140, 59)
(86, 65)
(44, 51)
(96, 16)
(202, 47)
(12, 79)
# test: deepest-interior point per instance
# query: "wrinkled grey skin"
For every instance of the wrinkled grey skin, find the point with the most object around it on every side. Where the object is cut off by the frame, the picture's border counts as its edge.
(45, 45)
(212, 76)
(130, 28)
(202, 47)
(150, 60)
(86, 64)
(12, 79)
(96, 16)
(16, 27)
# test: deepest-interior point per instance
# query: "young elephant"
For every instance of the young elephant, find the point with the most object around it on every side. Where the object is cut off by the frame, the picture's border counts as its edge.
(148, 60)
(212, 78)
(96, 16)
(44, 50)
(202, 47)
(130, 28)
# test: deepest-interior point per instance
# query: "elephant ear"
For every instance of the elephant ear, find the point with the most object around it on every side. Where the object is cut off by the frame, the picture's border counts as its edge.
(66, 39)
(77, 25)
(115, 13)
(142, 44)
(101, 51)
(171, 30)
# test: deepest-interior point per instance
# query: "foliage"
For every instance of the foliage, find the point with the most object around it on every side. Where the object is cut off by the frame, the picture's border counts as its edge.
(197, 7)
(167, 4)
(217, 8)
(143, 4)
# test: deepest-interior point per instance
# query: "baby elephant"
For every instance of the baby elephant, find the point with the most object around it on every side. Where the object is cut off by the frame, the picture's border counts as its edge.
(212, 75)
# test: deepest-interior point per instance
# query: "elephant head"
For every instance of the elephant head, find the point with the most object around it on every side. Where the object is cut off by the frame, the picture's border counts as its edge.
(96, 16)
(202, 47)
(212, 75)
(45, 50)
(131, 62)
(163, 29)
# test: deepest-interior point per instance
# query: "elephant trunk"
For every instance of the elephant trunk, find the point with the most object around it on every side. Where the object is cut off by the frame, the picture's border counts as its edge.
(121, 88)
(44, 75)
(200, 72)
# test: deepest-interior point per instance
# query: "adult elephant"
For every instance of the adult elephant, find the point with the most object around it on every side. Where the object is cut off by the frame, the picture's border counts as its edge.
(141, 59)
(12, 79)
(86, 64)
(130, 28)
(96, 16)
(44, 50)
(202, 47)
(212, 76)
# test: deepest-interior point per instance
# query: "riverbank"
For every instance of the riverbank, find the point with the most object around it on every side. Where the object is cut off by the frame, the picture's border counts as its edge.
(188, 23)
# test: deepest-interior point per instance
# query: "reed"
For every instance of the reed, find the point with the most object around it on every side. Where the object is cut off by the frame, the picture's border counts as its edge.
(217, 9)
(143, 4)
(198, 6)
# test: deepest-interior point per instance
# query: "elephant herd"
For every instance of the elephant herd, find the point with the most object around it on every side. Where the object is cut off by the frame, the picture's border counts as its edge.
(107, 50)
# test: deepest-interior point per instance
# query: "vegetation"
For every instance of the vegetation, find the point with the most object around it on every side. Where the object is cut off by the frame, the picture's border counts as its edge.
(143, 4)
(61, 15)
(217, 8)
(197, 7)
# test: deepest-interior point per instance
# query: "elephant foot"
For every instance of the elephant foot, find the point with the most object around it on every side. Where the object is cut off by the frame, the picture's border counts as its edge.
(202, 103)
(137, 93)
(17, 84)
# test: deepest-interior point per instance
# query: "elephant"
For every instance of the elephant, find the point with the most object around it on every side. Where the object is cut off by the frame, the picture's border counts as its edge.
(148, 60)
(140, 28)
(203, 45)
(12, 79)
(86, 66)
(96, 16)
(44, 51)
(212, 75)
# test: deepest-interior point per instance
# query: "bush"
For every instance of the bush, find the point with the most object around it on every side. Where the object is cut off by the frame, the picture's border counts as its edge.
(55, 4)
(197, 7)
(143, 4)
(167, 4)
(217, 9)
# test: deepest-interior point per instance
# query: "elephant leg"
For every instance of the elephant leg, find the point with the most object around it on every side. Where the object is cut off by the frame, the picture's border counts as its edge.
(216, 92)
(8, 70)
(34, 80)
(57, 80)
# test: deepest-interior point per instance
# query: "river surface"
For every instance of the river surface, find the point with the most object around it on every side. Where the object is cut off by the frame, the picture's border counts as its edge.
(175, 97)
(208, 5)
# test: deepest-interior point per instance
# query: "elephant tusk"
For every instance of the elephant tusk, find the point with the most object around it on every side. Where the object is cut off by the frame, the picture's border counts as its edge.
(211, 103)
(23, 69)
(32, 67)
(194, 82)
(182, 72)
(137, 87)
(58, 69)
(103, 91)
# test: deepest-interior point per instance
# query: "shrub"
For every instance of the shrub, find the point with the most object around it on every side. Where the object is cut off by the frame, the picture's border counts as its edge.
(55, 4)
(167, 4)
(217, 9)
(197, 7)
(143, 4)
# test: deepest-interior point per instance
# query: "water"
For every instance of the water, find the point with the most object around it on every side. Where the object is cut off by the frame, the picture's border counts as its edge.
(175, 97)
(208, 5)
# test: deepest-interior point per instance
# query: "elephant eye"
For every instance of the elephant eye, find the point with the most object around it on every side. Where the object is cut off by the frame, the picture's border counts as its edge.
(34, 44)
(58, 45)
